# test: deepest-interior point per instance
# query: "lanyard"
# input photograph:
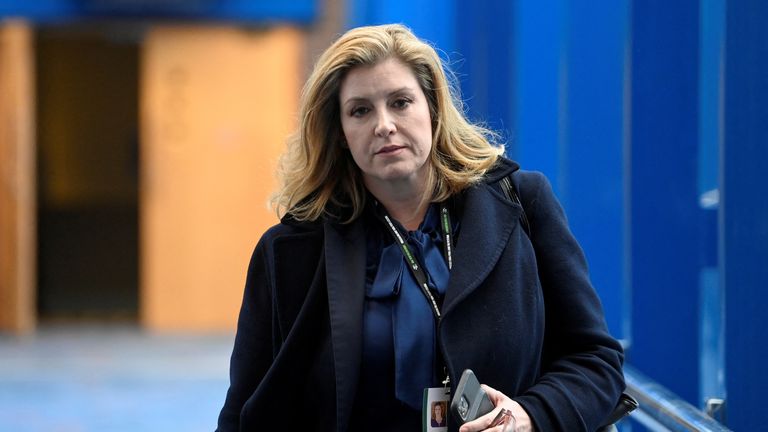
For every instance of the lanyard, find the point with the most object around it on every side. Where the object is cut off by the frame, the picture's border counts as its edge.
(413, 264)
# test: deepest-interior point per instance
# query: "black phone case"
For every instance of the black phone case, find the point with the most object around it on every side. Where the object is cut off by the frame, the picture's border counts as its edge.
(470, 401)
(623, 408)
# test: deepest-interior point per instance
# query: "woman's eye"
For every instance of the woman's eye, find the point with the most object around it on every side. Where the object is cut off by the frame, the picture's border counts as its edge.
(401, 103)
(359, 111)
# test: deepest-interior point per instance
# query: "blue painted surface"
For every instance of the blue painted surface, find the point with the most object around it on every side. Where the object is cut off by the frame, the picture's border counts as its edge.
(539, 105)
(486, 66)
(429, 19)
(112, 379)
(301, 11)
(744, 212)
(665, 213)
(592, 151)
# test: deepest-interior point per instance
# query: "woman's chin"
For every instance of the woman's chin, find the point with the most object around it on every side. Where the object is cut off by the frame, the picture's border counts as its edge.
(397, 175)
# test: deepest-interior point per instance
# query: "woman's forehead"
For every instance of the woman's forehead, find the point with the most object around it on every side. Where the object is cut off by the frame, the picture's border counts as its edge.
(381, 79)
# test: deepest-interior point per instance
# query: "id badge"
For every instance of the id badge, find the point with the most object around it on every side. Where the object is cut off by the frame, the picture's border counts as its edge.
(434, 409)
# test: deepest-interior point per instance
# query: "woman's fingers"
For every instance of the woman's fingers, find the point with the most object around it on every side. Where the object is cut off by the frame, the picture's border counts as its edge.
(481, 423)
(522, 421)
(514, 419)
(486, 422)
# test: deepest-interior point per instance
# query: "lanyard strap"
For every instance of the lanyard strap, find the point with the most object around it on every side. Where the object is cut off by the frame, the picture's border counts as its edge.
(416, 268)
(445, 218)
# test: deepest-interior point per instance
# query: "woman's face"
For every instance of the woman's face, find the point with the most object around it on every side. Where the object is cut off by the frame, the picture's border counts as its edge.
(438, 410)
(386, 122)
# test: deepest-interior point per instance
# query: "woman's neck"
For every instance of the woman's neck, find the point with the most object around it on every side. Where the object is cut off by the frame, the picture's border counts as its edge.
(410, 215)
(405, 204)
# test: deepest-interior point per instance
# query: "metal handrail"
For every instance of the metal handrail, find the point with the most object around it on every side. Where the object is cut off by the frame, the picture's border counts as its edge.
(664, 409)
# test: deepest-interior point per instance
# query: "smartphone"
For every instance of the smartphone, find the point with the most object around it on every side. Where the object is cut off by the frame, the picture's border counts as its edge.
(470, 401)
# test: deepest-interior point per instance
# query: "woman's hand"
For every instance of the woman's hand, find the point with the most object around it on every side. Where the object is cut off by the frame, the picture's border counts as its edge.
(518, 422)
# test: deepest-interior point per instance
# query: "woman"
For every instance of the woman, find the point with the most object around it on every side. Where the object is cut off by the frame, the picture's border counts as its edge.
(438, 409)
(399, 262)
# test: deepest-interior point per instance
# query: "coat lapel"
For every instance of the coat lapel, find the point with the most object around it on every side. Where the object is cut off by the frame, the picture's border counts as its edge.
(487, 222)
(345, 261)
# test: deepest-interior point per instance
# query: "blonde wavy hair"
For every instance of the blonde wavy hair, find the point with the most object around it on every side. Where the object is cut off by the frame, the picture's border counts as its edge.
(318, 177)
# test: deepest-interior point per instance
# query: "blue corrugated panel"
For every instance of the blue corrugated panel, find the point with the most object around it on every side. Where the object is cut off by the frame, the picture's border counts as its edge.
(486, 65)
(592, 151)
(540, 99)
(665, 213)
(744, 212)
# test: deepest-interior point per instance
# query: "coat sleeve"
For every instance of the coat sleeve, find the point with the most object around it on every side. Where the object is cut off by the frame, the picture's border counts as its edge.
(252, 352)
(581, 377)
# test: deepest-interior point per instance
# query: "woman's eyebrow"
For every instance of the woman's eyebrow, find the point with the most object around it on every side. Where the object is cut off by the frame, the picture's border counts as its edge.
(405, 89)
(365, 98)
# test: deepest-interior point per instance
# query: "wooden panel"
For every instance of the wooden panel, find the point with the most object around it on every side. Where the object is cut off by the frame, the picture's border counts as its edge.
(217, 105)
(17, 179)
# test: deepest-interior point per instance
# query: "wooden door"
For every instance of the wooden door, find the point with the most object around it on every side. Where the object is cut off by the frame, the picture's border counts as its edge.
(217, 105)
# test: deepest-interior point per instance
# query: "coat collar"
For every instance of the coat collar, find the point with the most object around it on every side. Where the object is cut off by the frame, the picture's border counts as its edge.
(345, 260)
(487, 219)
(501, 169)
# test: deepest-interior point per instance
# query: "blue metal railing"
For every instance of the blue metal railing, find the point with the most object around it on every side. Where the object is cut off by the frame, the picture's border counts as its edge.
(662, 410)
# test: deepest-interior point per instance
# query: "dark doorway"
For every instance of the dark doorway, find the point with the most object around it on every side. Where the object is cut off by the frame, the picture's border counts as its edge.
(87, 134)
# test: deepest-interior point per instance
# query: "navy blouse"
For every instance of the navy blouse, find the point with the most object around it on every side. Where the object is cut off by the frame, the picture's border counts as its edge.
(399, 357)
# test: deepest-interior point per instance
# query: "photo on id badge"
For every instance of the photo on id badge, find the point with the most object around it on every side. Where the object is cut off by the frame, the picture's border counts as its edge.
(435, 409)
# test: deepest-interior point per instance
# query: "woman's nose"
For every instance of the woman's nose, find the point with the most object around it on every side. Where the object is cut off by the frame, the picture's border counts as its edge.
(385, 125)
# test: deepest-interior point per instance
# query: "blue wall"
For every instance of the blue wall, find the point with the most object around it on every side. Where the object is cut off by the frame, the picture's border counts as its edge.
(594, 143)
(481, 42)
(430, 19)
(664, 205)
(744, 212)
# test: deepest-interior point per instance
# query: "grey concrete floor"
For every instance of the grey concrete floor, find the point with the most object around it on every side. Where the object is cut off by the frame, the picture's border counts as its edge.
(112, 378)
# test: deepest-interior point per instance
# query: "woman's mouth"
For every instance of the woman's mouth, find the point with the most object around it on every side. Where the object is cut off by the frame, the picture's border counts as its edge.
(389, 149)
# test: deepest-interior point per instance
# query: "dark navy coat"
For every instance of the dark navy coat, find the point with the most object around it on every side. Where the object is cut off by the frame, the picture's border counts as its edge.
(519, 310)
